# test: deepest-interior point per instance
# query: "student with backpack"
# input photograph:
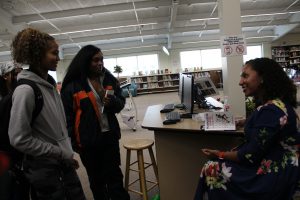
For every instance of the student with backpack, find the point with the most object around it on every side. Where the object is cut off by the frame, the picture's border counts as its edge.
(13, 184)
(8, 77)
(48, 156)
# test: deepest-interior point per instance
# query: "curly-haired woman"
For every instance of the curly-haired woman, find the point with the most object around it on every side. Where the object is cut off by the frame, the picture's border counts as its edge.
(265, 166)
(48, 162)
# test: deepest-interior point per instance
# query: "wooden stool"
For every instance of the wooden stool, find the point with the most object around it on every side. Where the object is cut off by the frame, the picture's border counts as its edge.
(139, 145)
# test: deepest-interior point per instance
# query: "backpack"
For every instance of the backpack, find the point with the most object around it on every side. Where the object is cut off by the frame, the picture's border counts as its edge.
(5, 108)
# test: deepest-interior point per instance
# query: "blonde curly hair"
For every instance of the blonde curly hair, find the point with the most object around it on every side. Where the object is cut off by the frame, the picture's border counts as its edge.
(29, 46)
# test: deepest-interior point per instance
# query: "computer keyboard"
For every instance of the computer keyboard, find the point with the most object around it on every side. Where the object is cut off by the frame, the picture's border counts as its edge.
(174, 116)
(168, 108)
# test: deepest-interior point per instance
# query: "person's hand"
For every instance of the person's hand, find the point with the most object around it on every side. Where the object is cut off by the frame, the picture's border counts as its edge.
(107, 100)
(71, 163)
(211, 153)
(75, 163)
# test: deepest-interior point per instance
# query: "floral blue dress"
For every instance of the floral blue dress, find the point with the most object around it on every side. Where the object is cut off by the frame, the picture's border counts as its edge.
(268, 160)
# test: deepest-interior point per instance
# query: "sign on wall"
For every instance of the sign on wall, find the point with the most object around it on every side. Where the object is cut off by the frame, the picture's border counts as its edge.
(233, 45)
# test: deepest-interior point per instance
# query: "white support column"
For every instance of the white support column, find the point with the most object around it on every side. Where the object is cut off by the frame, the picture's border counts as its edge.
(230, 24)
(266, 49)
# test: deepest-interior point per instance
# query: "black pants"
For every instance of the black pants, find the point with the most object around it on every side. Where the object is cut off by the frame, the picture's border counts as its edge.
(102, 164)
(53, 179)
(15, 186)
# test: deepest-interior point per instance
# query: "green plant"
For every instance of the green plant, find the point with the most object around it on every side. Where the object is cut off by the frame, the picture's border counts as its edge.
(118, 69)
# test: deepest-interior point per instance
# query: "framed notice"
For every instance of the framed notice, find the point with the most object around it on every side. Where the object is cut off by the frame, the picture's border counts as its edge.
(233, 45)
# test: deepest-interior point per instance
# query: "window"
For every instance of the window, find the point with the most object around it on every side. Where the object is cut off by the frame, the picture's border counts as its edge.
(129, 65)
(53, 74)
(211, 58)
(252, 52)
(132, 64)
(147, 63)
(109, 64)
(190, 59)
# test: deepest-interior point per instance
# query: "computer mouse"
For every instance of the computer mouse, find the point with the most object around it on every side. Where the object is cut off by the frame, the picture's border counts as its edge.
(167, 122)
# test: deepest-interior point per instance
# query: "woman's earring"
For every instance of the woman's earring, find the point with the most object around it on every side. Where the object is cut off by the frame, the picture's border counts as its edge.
(262, 81)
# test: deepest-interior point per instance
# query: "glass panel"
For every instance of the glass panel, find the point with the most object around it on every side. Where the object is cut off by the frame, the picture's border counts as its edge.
(190, 59)
(252, 52)
(211, 58)
(128, 64)
(53, 74)
(147, 63)
(109, 64)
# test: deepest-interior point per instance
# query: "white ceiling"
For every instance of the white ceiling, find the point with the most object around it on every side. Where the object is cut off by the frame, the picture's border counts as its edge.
(114, 24)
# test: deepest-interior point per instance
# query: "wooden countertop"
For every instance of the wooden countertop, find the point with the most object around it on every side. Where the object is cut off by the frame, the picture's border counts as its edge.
(153, 120)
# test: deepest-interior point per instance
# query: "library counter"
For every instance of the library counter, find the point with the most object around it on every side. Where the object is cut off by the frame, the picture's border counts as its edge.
(178, 152)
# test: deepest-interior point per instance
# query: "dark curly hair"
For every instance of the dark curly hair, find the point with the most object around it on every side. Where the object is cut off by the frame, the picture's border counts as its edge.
(29, 46)
(79, 67)
(276, 83)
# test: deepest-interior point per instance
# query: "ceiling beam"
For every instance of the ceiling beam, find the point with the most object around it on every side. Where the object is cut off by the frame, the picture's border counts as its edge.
(282, 30)
(173, 16)
(6, 23)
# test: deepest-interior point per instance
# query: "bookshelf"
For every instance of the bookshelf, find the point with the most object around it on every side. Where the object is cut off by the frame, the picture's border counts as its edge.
(295, 57)
(281, 55)
(169, 82)
(287, 56)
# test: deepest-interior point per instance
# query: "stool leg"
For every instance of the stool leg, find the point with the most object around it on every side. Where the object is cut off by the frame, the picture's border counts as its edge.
(142, 174)
(127, 169)
(153, 162)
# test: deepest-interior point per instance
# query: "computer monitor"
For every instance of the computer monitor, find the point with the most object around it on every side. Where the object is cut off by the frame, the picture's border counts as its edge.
(188, 96)
(180, 89)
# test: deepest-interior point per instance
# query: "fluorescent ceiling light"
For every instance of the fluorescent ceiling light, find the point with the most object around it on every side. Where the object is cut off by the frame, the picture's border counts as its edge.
(165, 50)
(98, 29)
(202, 19)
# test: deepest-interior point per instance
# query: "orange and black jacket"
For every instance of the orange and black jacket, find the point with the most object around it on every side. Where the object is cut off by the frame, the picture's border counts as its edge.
(82, 113)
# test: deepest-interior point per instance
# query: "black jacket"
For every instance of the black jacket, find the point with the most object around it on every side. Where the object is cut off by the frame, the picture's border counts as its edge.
(81, 113)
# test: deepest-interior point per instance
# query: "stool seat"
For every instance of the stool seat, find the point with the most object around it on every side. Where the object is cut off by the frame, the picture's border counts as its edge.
(138, 144)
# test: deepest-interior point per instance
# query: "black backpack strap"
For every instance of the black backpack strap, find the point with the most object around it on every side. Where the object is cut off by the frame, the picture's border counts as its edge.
(38, 96)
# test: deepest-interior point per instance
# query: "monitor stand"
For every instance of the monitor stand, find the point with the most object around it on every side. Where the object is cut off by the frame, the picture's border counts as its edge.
(180, 106)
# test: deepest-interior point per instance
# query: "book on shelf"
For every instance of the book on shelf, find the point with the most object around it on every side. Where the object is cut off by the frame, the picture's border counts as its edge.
(215, 121)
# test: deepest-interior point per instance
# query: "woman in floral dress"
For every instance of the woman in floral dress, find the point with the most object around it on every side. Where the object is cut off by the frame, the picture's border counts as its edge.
(265, 166)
